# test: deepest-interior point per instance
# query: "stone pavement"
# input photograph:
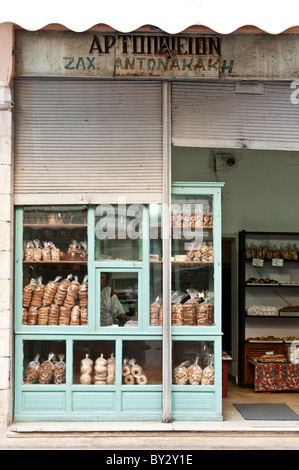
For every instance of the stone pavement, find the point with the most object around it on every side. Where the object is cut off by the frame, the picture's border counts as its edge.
(254, 435)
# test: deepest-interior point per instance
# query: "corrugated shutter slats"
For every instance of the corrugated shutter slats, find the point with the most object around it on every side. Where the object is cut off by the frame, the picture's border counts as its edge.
(213, 115)
(88, 136)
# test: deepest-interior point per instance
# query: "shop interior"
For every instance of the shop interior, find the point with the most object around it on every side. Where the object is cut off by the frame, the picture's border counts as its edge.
(259, 195)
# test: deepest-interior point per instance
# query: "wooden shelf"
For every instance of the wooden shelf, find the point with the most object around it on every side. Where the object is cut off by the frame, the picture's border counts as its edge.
(55, 262)
(193, 263)
(41, 226)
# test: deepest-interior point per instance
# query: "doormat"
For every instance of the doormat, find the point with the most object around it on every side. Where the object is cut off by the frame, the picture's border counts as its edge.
(266, 411)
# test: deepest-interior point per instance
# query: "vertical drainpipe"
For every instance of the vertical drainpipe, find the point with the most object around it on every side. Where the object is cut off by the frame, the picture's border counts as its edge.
(166, 237)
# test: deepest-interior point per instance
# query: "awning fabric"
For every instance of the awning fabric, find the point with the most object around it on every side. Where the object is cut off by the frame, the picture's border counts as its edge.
(170, 16)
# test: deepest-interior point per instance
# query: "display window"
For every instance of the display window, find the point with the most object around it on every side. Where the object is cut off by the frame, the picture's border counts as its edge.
(89, 309)
(118, 299)
(44, 362)
(192, 260)
(55, 252)
(94, 362)
(119, 232)
(156, 265)
(193, 362)
(142, 362)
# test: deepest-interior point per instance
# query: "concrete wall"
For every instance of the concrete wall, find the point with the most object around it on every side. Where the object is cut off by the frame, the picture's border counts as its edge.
(6, 223)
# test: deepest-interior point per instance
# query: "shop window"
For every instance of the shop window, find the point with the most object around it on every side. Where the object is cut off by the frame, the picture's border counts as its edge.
(44, 362)
(192, 261)
(119, 298)
(119, 232)
(142, 362)
(156, 265)
(193, 362)
(94, 362)
(55, 266)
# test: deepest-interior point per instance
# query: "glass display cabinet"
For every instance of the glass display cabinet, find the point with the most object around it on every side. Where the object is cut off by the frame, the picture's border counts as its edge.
(196, 301)
(89, 310)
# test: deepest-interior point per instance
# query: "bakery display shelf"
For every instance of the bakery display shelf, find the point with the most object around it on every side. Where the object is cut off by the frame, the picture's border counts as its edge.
(249, 260)
(271, 285)
(263, 341)
(192, 263)
(55, 226)
(280, 315)
(55, 262)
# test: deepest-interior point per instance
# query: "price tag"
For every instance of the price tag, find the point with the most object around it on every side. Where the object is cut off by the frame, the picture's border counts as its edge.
(277, 262)
(257, 262)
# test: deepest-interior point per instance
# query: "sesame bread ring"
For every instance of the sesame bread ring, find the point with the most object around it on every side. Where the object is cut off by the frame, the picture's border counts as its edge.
(141, 380)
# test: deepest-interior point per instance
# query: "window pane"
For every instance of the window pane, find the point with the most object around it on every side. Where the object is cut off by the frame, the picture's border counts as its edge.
(94, 362)
(55, 265)
(142, 362)
(119, 299)
(44, 362)
(156, 265)
(193, 362)
(118, 232)
(192, 261)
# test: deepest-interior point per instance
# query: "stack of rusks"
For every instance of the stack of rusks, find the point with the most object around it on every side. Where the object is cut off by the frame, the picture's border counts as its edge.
(59, 302)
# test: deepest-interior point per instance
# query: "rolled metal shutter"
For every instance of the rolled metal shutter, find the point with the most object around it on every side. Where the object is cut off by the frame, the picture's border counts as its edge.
(87, 139)
(207, 114)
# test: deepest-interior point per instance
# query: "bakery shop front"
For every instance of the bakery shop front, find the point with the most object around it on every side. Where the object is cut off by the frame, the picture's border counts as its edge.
(120, 160)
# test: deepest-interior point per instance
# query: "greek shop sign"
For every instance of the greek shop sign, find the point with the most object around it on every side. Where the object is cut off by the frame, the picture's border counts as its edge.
(120, 55)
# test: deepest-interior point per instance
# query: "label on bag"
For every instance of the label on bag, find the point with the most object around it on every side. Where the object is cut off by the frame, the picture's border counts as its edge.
(257, 262)
(277, 262)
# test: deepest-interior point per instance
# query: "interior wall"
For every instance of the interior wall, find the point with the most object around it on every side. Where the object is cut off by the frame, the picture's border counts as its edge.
(260, 194)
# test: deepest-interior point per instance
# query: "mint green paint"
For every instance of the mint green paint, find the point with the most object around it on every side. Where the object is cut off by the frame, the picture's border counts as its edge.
(118, 402)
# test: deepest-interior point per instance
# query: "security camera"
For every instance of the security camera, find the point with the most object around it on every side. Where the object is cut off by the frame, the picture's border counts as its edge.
(230, 161)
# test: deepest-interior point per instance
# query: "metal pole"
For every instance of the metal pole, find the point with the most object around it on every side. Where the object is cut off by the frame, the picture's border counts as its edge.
(166, 237)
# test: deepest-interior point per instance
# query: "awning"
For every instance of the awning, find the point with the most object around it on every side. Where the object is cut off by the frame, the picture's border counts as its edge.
(170, 16)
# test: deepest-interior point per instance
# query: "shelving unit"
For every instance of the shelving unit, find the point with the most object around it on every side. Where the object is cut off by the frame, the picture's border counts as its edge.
(279, 295)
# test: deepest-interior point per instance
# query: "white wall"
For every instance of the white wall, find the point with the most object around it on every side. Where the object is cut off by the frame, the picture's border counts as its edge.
(261, 193)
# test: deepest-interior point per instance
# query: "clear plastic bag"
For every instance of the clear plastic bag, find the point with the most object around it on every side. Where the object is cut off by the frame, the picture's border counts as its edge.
(37, 251)
(38, 293)
(28, 251)
(195, 373)
(46, 252)
(46, 370)
(181, 373)
(208, 372)
(55, 252)
(205, 311)
(72, 293)
(74, 252)
(60, 370)
(100, 371)
(50, 291)
(32, 371)
(154, 312)
(27, 293)
(62, 290)
(111, 370)
(83, 293)
(84, 253)
(177, 308)
(86, 369)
